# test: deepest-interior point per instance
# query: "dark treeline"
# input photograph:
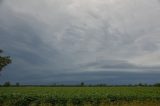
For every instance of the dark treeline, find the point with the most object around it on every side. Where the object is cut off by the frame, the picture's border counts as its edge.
(82, 84)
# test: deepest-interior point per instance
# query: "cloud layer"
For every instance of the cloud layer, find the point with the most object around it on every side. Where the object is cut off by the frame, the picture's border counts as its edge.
(50, 37)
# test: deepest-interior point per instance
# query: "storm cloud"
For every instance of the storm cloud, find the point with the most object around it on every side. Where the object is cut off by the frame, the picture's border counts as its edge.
(50, 38)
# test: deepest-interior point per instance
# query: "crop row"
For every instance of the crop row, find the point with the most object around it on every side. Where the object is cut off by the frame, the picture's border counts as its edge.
(25, 100)
(24, 96)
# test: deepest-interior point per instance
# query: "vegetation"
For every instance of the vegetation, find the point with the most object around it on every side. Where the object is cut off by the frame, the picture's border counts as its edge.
(157, 85)
(4, 61)
(7, 84)
(77, 96)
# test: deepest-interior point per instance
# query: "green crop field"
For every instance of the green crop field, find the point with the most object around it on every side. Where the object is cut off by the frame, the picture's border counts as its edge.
(79, 96)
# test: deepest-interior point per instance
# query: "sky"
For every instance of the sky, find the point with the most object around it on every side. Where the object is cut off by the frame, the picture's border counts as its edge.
(70, 41)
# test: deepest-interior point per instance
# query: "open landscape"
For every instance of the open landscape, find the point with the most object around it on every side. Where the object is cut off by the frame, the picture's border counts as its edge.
(79, 52)
(80, 96)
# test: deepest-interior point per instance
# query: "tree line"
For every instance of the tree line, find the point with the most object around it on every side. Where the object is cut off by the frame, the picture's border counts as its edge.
(82, 84)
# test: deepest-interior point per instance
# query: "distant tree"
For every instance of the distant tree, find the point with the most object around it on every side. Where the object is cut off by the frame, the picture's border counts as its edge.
(157, 85)
(82, 83)
(17, 84)
(4, 61)
(140, 84)
(7, 84)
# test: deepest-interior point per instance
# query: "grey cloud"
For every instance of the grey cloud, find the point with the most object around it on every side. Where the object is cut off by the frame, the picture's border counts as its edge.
(115, 64)
(107, 77)
(74, 36)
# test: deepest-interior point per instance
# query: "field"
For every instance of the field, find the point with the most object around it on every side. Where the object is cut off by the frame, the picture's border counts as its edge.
(79, 96)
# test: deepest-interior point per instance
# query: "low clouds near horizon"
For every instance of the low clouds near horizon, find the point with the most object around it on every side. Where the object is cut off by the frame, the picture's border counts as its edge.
(50, 37)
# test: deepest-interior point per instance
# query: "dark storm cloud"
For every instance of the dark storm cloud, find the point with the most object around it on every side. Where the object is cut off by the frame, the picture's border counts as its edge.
(105, 77)
(51, 39)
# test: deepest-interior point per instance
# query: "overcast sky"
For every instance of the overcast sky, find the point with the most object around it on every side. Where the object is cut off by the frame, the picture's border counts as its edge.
(69, 41)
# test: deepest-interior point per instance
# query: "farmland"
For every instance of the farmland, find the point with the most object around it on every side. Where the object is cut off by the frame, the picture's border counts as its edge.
(79, 96)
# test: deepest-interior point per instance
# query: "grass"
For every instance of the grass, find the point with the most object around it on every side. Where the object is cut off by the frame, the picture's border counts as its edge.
(79, 96)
